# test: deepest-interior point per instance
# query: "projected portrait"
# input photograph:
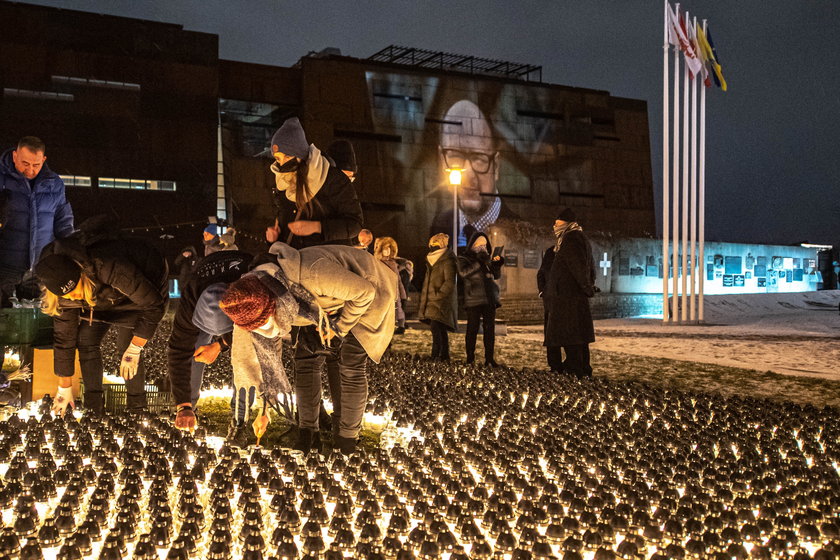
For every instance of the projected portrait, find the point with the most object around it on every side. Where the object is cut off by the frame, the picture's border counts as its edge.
(467, 144)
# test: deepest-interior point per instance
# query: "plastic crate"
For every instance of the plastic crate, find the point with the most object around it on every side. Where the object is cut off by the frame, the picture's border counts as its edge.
(115, 397)
(25, 326)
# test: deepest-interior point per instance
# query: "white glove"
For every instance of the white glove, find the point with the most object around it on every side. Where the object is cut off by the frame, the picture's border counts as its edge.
(63, 399)
(130, 361)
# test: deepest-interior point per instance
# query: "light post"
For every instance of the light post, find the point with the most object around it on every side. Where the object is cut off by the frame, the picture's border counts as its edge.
(454, 180)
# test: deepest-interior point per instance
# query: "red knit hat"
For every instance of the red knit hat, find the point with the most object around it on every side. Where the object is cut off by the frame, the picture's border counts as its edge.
(248, 303)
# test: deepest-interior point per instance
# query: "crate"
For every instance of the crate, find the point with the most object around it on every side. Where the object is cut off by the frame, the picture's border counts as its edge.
(115, 397)
(25, 326)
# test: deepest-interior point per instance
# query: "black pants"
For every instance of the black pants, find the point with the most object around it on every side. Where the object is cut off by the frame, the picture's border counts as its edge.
(486, 315)
(577, 360)
(555, 358)
(440, 340)
(90, 359)
(350, 393)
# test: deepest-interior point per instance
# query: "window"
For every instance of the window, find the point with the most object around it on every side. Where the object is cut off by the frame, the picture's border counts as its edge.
(137, 184)
(48, 95)
(75, 180)
(95, 83)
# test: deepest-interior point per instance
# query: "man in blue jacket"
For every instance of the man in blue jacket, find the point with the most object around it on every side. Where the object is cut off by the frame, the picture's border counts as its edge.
(33, 212)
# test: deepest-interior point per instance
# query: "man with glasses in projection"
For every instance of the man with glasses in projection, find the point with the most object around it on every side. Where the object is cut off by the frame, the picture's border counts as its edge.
(467, 143)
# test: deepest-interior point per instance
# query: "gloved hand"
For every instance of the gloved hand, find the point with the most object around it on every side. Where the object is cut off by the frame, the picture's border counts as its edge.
(207, 354)
(63, 399)
(185, 419)
(130, 361)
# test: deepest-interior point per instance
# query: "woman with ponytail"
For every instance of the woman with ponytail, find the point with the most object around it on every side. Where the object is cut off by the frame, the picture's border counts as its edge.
(316, 202)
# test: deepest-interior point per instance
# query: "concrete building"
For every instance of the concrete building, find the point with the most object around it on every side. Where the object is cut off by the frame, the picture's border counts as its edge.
(127, 109)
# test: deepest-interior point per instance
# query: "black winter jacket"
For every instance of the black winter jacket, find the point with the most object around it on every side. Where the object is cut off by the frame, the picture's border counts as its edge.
(335, 205)
(569, 284)
(221, 266)
(480, 274)
(132, 290)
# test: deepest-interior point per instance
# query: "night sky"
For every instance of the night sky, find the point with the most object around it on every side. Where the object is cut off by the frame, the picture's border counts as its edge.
(773, 167)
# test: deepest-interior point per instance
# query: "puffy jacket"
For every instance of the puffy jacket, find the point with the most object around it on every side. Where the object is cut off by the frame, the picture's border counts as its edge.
(132, 290)
(480, 274)
(335, 205)
(33, 217)
(438, 296)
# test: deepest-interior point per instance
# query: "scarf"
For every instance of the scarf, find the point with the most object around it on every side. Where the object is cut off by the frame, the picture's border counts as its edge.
(316, 175)
(480, 223)
(257, 361)
(433, 256)
(561, 231)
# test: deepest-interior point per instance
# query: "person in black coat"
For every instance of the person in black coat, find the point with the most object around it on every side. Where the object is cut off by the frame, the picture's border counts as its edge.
(479, 272)
(568, 285)
(92, 284)
(185, 264)
(317, 204)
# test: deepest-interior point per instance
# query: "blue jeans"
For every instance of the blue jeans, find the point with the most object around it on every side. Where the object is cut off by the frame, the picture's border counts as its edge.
(197, 368)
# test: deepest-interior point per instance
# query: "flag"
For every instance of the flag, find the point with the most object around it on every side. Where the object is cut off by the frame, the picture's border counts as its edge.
(694, 36)
(708, 52)
(721, 83)
(677, 36)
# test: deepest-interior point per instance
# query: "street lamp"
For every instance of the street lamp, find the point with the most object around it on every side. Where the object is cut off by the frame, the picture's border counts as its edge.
(454, 180)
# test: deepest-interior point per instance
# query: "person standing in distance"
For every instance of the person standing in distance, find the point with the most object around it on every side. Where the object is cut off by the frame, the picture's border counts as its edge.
(569, 284)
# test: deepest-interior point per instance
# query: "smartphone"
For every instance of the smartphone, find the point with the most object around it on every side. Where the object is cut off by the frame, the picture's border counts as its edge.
(498, 251)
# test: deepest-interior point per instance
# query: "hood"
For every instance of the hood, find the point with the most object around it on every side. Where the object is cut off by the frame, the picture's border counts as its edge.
(289, 260)
(475, 236)
(189, 248)
(7, 166)
(207, 315)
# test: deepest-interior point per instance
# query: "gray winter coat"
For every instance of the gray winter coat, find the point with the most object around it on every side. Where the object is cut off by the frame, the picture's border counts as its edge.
(351, 282)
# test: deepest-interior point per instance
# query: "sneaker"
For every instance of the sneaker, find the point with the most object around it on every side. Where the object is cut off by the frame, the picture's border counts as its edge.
(238, 435)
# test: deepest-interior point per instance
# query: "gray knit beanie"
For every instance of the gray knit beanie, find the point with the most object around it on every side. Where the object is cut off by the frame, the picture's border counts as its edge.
(291, 140)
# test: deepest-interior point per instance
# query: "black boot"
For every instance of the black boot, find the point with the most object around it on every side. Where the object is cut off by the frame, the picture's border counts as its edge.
(308, 439)
(345, 444)
(237, 435)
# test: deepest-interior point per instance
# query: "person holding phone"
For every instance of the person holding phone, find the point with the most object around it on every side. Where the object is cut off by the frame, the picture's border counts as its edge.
(481, 294)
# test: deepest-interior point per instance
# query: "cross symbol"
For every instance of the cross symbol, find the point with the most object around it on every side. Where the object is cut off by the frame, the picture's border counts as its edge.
(605, 264)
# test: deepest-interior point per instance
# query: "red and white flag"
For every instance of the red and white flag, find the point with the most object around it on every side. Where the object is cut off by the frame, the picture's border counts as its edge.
(676, 36)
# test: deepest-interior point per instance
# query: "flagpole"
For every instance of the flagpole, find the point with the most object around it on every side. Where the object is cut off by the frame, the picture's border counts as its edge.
(684, 201)
(675, 178)
(701, 202)
(693, 265)
(665, 168)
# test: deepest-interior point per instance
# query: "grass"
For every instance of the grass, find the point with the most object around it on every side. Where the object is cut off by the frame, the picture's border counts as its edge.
(661, 372)
(214, 415)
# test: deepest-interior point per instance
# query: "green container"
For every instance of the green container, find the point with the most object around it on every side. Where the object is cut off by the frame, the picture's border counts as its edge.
(25, 326)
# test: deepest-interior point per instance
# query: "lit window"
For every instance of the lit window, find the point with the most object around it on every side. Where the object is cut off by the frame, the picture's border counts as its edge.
(28, 93)
(75, 180)
(136, 184)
